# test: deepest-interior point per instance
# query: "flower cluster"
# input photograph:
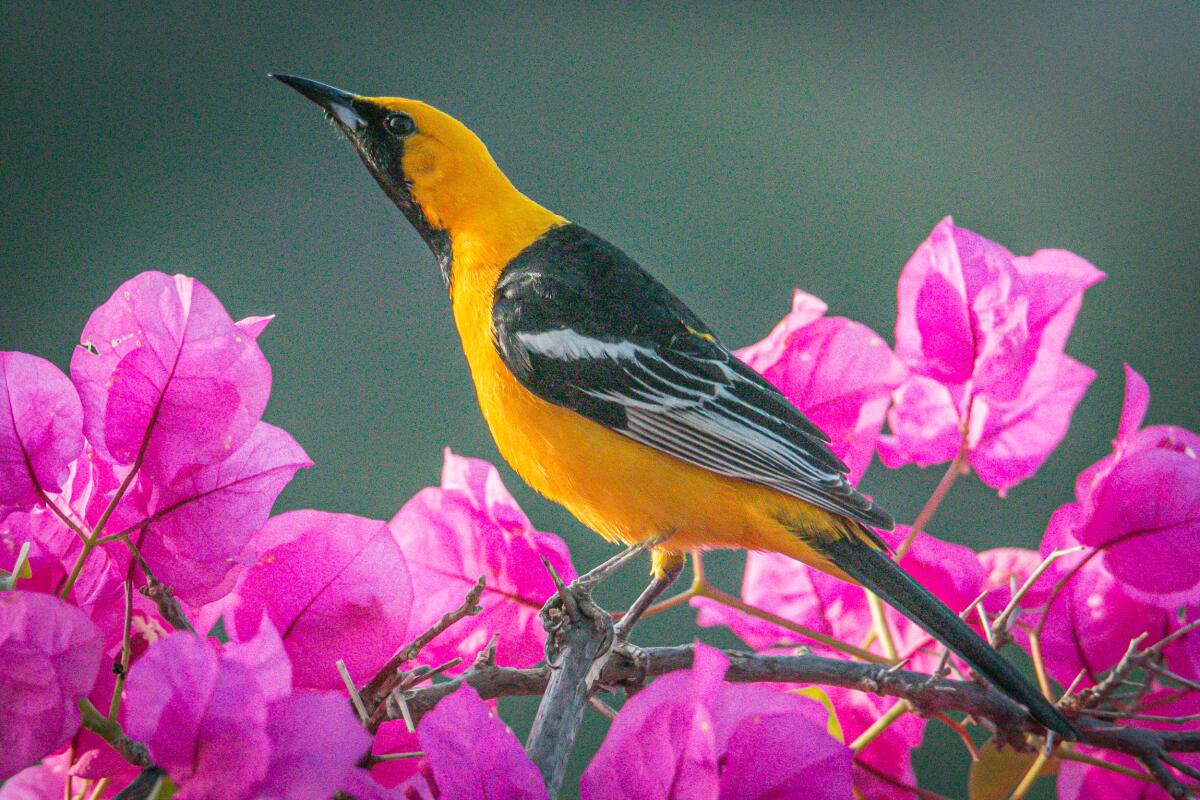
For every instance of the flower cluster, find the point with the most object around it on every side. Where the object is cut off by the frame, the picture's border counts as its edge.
(151, 467)
(135, 518)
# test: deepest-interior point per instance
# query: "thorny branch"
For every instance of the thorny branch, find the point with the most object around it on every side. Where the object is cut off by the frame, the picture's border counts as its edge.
(588, 667)
(927, 695)
(390, 678)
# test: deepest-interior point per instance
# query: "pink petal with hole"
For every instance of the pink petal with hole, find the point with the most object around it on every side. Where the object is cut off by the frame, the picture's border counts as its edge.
(41, 428)
(166, 377)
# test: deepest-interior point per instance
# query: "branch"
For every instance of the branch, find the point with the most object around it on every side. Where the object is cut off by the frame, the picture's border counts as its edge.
(580, 632)
(928, 695)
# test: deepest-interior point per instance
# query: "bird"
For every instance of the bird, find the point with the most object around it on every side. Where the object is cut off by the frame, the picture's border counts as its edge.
(609, 396)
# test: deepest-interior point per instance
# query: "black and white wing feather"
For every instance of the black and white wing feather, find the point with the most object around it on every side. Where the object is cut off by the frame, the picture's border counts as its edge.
(581, 325)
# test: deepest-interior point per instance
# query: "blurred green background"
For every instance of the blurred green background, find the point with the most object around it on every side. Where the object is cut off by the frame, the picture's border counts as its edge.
(736, 150)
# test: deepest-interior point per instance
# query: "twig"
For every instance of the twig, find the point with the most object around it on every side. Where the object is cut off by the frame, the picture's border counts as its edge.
(713, 593)
(880, 725)
(164, 598)
(957, 467)
(355, 700)
(603, 708)
(928, 695)
(132, 751)
(1132, 660)
(122, 667)
(373, 759)
(386, 678)
(1001, 622)
(20, 565)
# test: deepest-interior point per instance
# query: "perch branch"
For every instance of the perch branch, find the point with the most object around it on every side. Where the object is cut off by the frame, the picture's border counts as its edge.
(927, 694)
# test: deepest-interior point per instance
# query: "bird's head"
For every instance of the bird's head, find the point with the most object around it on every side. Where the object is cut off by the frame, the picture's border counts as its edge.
(432, 166)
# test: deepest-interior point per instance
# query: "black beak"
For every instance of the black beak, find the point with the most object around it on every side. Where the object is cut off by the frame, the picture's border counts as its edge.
(338, 104)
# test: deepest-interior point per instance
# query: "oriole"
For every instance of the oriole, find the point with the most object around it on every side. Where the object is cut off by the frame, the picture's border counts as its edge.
(609, 396)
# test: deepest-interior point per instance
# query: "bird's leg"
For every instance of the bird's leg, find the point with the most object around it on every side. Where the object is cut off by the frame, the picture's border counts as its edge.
(575, 599)
(667, 568)
(668, 572)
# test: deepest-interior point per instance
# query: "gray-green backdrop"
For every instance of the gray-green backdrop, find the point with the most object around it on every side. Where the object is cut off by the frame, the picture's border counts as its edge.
(737, 150)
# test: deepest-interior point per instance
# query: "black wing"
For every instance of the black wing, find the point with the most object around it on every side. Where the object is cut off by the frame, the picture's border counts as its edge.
(582, 326)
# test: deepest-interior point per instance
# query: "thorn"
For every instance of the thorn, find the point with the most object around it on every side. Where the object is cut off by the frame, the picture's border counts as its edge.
(359, 708)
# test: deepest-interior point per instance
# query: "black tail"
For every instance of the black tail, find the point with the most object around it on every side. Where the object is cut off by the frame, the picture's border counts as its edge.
(876, 571)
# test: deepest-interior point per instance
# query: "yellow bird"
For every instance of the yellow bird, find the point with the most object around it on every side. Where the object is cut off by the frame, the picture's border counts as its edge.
(608, 395)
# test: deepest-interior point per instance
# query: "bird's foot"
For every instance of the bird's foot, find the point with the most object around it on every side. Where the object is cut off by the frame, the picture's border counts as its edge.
(568, 605)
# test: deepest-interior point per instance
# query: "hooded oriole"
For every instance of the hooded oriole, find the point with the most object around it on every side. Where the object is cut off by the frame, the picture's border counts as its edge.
(609, 396)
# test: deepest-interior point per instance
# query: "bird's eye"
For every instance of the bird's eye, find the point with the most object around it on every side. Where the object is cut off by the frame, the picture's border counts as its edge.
(399, 124)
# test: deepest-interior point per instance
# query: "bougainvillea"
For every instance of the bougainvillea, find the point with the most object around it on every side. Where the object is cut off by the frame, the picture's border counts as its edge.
(135, 515)
(983, 333)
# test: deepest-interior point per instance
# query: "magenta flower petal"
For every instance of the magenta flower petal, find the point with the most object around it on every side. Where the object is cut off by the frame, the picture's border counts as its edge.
(1147, 520)
(988, 328)
(255, 325)
(393, 737)
(41, 428)
(315, 743)
(44, 781)
(167, 378)
(691, 735)
(469, 527)
(1054, 281)
(1017, 438)
(662, 746)
(838, 372)
(50, 657)
(264, 656)
(925, 425)
(1140, 506)
(335, 586)
(933, 326)
(1090, 623)
(1137, 402)
(754, 722)
(887, 760)
(202, 717)
(473, 755)
(199, 522)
